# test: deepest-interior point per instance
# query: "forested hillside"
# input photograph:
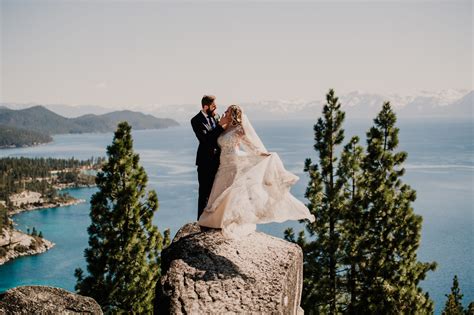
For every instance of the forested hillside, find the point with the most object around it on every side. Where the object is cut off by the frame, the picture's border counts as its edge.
(41, 119)
(15, 137)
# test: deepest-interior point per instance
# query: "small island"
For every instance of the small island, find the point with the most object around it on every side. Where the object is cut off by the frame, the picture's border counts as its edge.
(27, 184)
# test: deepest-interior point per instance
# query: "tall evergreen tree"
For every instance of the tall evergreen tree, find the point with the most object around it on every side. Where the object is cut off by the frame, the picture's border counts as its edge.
(470, 309)
(123, 257)
(390, 272)
(351, 175)
(322, 256)
(453, 304)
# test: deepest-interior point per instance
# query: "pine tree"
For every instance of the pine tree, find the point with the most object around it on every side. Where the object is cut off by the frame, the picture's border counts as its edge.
(390, 272)
(453, 304)
(351, 175)
(40, 235)
(34, 232)
(470, 309)
(123, 257)
(321, 286)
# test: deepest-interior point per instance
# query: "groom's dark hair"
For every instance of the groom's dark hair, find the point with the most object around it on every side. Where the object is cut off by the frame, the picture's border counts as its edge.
(207, 100)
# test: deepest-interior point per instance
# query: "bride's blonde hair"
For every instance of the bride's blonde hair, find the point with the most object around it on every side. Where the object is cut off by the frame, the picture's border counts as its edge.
(236, 115)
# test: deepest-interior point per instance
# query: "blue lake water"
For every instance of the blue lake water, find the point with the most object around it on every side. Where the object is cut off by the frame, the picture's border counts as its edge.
(440, 167)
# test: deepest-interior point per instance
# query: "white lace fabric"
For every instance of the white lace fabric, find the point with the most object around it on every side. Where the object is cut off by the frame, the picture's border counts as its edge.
(250, 188)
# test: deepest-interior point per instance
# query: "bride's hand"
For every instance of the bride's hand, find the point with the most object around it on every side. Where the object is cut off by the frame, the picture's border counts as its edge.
(224, 121)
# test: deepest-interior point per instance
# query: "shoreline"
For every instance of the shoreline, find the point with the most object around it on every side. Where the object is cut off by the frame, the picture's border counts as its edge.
(71, 202)
(73, 186)
(30, 245)
(24, 245)
(47, 205)
(14, 146)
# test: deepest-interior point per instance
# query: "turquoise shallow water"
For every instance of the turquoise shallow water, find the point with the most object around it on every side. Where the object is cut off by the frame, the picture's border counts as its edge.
(440, 168)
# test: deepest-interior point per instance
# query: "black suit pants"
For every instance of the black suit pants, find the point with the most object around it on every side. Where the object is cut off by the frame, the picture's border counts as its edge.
(206, 175)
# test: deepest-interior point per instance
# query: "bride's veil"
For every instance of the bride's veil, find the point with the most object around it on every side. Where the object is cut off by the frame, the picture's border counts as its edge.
(251, 134)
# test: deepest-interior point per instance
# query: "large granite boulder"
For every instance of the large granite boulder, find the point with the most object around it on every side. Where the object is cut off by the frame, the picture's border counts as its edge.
(46, 300)
(204, 272)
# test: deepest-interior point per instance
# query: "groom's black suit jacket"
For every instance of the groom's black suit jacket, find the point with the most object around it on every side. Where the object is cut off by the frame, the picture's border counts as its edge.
(208, 152)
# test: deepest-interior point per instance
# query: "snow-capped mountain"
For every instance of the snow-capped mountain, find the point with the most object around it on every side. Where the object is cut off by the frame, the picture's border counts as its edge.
(443, 97)
(435, 104)
(463, 106)
(359, 104)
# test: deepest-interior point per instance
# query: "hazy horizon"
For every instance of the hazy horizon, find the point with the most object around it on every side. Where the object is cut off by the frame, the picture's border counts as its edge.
(152, 53)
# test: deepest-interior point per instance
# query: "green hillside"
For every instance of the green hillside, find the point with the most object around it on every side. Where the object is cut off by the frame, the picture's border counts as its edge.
(15, 137)
(41, 119)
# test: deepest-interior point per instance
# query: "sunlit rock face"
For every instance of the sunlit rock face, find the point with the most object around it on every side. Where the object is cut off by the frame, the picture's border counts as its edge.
(204, 272)
(46, 300)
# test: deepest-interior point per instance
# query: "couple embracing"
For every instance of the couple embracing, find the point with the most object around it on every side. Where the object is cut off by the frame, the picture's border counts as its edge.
(241, 184)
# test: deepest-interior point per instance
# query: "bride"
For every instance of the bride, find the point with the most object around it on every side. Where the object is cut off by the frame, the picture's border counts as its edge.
(251, 186)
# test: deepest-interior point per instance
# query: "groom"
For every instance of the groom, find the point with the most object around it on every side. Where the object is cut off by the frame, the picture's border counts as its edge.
(207, 129)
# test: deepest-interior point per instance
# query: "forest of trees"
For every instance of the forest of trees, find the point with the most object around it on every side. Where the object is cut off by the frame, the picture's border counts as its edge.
(18, 174)
(360, 253)
(15, 137)
(4, 221)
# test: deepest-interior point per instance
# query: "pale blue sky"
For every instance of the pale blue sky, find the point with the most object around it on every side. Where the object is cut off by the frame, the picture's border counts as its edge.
(117, 53)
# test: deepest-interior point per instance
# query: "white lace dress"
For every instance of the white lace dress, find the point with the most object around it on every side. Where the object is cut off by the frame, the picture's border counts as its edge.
(250, 188)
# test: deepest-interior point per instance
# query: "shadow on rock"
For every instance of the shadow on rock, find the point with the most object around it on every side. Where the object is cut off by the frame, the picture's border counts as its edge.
(198, 253)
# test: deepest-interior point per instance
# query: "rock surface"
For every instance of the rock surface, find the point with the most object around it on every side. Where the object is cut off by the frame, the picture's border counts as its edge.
(46, 300)
(204, 272)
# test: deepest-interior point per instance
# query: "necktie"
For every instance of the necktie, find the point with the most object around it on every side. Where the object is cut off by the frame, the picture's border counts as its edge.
(211, 123)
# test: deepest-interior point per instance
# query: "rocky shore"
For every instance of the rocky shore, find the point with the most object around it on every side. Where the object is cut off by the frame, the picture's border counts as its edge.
(46, 205)
(14, 244)
(22, 146)
(46, 300)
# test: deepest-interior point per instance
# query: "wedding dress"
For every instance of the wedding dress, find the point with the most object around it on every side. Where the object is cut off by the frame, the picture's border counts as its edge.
(250, 188)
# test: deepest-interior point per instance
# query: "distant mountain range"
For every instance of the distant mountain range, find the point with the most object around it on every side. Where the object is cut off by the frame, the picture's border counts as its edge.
(42, 120)
(448, 103)
(453, 104)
